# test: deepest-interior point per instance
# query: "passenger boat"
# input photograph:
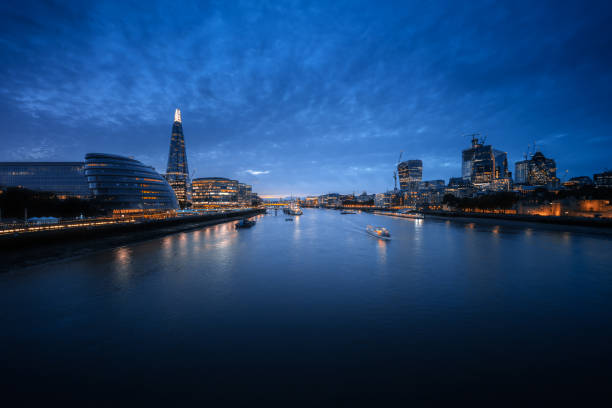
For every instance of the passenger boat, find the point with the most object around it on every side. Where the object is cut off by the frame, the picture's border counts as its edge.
(378, 232)
(288, 219)
(295, 209)
(348, 212)
(245, 223)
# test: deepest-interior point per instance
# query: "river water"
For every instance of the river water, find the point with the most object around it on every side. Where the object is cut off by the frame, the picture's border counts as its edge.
(316, 309)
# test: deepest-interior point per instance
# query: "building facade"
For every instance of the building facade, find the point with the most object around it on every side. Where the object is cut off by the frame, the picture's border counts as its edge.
(603, 179)
(410, 174)
(484, 166)
(123, 183)
(64, 179)
(214, 192)
(537, 171)
(177, 172)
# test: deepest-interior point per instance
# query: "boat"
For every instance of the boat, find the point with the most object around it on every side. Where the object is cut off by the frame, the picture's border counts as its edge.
(245, 223)
(294, 209)
(378, 232)
(288, 219)
(348, 212)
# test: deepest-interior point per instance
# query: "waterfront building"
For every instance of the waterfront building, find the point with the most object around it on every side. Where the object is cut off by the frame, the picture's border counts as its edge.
(245, 193)
(330, 200)
(481, 164)
(537, 171)
(459, 187)
(64, 179)
(603, 179)
(410, 174)
(177, 172)
(214, 192)
(123, 183)
(431, 192)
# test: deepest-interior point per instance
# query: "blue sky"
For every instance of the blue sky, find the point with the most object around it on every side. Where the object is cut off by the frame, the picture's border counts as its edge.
(307, 97)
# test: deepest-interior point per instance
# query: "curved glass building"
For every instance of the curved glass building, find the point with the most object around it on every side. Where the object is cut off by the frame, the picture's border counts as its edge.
(125, 183)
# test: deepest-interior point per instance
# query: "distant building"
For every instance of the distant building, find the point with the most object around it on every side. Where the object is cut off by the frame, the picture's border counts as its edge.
(330, 200)
(213, 192)
(603, 179)
(431, 192)
(459, 187)
(64, 179)
(481, 164)
(537, 171)
(577, 182)
(123, 183)
(177, 172)
(410, 174)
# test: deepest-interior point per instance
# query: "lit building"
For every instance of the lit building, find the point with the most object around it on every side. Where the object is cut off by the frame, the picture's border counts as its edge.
(537, 171)
(410, 174)
(481, 164)
(64, 179)
(459, 187)
(177, 172)
(578, 182)
(245, 193)
(123, 183)
(603, 179)
(211, 192)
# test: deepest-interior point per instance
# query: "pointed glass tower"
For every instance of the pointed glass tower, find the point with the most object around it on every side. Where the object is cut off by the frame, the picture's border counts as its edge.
(177, 172)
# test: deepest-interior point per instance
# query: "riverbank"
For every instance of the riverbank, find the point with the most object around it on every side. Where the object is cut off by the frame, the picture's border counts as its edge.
(603, 223)
(18, 251)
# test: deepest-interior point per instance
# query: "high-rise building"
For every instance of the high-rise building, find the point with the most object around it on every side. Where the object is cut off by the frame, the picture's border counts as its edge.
(211, 192)
(410, 174)
(481, 164)
(64, 179)
(177, 172)
(123, 183)
(537, 171)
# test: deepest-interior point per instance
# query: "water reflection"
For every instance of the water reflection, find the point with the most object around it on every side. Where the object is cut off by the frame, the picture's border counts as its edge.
(382, 251)
(122, 265)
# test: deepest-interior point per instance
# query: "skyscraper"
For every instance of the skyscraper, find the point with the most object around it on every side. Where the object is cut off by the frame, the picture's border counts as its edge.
(537, 171)
(481, 164)
(410, 174)
(177, 172)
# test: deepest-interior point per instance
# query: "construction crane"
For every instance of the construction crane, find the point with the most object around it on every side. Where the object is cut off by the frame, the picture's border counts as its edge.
(395, 171)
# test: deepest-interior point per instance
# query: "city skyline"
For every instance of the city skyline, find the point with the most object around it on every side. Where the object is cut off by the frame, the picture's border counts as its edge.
(312, 99)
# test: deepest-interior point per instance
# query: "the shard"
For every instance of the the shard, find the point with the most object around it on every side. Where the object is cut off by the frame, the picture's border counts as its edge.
(177, 172)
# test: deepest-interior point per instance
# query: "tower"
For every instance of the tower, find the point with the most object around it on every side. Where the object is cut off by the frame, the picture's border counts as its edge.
(177, 172)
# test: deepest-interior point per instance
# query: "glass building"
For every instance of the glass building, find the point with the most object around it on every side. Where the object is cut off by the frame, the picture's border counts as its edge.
(213, 192)
(122, 183)
(177, 172)
(64, 179)
(481, 164)
(410, 174)
(537, 171)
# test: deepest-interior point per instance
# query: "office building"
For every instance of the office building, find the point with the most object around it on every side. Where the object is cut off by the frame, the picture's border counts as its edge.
(537, 171)
(213, 192)
(123, 183)
(603, 179)
(481, 164)
(64, 179)
(177, 172)
(410, 173)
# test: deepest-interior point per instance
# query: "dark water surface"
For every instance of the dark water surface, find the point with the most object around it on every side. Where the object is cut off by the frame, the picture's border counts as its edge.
(316, 309)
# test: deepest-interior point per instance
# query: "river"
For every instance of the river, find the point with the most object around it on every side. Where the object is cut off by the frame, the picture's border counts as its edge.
(315, 309)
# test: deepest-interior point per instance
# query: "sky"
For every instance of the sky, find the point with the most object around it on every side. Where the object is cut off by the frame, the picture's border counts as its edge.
(308, 97)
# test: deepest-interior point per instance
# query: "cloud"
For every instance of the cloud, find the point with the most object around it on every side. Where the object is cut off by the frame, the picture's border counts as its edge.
(257, 172)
